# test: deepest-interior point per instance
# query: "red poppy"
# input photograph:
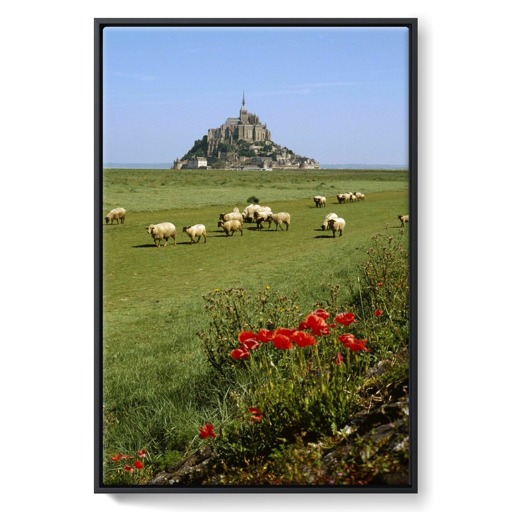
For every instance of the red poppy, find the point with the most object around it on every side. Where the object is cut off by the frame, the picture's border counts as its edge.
(264, 335)
(345, 318)
(380, 284)
(316, 324)
(250, 344)
(284, 331)
(256, 414)
(128, 468)
(378, 312)
(352, 343)
(282, 342)
(303, 339)
(116, 458)
(246, 335)
(207, 431)
(142, 453)
(240, 353)
(321, 313)
(339, 359)
(138, 464)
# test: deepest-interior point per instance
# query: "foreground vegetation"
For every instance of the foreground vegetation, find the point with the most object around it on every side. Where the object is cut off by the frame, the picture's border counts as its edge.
(172, 317)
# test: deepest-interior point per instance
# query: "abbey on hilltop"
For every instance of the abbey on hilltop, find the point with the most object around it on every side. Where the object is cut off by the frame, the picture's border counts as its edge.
(243, 143)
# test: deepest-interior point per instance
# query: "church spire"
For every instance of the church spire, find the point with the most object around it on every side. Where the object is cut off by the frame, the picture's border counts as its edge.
(243, 99)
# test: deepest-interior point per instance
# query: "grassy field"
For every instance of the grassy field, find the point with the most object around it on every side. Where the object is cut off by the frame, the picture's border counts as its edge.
(155, 378)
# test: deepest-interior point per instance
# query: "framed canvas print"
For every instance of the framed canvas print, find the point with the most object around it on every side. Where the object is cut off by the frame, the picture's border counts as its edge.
(256, 255)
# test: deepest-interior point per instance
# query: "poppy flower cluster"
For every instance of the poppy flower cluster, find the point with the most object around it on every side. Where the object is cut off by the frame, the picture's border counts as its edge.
(138, 464)
(206, 431)
(282, 338)
(314, 325)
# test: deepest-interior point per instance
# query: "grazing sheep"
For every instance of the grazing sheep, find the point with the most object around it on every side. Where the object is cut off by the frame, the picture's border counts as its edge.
(162, 231)
(281, 218)
(359, 196)
(230, 216)
(320, 201)
(263, 216)
(403, 219)
(248, 213)
(327, 218)
(337, 225)
(230, 226)
(196, 231)
(118, 214)
(343, 198)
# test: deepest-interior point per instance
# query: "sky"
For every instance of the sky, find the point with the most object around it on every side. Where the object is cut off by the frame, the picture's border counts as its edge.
(335, 94)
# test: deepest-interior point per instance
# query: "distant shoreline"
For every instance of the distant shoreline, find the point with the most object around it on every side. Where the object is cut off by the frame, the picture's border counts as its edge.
(362, 167)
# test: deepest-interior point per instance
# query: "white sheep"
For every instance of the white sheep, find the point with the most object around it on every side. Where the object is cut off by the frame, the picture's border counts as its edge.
(248, 212)
(196, 231)
(327, 218)
(162, 231)
(230, 226)
(343, 198)
(281, 218)
(403, 219)
(337, 225)
(320, 201)
(231, 216)
(263, 216)
(359, 196)
(118, 214)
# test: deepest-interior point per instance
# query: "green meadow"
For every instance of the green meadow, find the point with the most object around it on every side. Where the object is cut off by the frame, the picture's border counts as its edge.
(156, 379)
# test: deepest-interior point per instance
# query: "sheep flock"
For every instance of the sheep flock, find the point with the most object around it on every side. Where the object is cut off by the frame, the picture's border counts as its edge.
(232, 222)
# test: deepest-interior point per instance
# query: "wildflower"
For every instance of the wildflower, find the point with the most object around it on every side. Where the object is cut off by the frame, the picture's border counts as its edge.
(345, 318)
(246, 335)
(142, 453)
(321, 313)
(378, 312)
(282, 342)
(303, 339)
(339, 359)
(256, 414)
(264, 335)
(128, 468)
(116, 458)
(207, 431)
(352, 343)
(380, 283)
(240, 353)
(284, 331)
(316, 324)
(250, 344)
(138, 464)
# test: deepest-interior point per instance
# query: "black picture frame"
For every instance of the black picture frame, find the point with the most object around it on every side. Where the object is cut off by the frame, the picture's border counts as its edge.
(412, 25)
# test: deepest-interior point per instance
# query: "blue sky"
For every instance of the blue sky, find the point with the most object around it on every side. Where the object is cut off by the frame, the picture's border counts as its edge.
(335, 94)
